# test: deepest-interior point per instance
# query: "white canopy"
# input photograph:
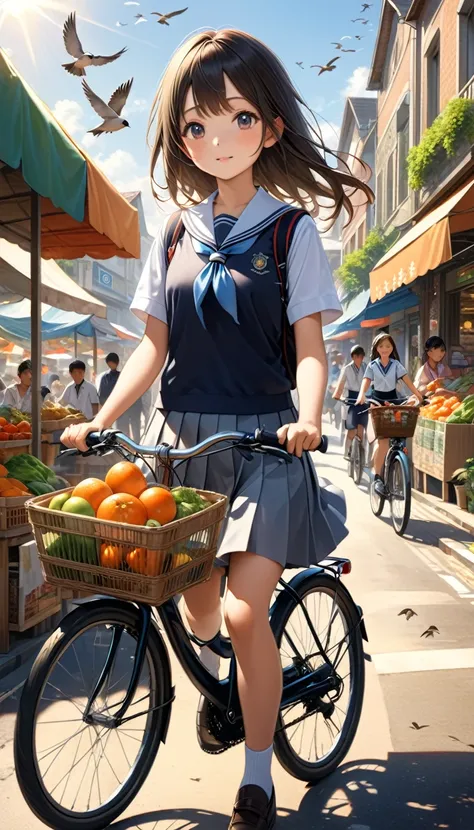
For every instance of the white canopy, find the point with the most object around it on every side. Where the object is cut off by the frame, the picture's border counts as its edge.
(57, 288)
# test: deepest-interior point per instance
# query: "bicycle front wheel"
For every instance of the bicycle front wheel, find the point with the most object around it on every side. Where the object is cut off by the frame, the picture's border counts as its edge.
(314, 736)
(77, 776)
(358, 460)
(399, 488)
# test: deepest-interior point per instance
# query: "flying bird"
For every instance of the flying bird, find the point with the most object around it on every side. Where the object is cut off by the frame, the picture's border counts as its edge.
(430, 631)
(110, 113)
(366, 6)
(165, 17)
(359, 37)
(357, 19)
(300, 64)
(329, 67)
(118, 23)
(346, 37)
(337, 45)
(365, 22)
(348, 50)
(74, 47)
(140, 19)
(417, 726)
(408, 613)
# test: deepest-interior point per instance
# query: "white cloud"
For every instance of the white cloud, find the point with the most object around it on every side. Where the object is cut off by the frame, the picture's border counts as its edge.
(330, 134)
(8, 51)
(357, 84)
(88, 140)
(70, 114)
(138, 105)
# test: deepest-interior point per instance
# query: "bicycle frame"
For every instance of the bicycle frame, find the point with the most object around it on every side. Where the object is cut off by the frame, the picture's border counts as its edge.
(222, 693)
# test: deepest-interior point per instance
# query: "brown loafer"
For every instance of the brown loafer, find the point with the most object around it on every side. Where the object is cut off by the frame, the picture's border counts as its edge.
(253, 809)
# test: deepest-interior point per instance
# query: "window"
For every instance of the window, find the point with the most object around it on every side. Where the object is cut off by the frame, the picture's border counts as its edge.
(390, 187)
(466, 43)
(432, 79)
(403, 143)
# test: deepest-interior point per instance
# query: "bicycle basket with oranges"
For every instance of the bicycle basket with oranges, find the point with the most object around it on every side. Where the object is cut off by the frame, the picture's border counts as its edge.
(125, 538)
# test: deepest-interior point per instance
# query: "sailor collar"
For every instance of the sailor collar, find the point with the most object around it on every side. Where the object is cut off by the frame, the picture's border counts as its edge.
(260, 212)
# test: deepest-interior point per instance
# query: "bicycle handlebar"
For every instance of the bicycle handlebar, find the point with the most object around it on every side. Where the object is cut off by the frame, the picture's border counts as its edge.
(259, 441)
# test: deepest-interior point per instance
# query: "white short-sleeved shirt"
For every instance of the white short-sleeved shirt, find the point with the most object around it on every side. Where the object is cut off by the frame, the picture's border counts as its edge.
(352, 376)
(310, 287)
(234, 364)
(385, 379)
(82, 400)
(13, 398)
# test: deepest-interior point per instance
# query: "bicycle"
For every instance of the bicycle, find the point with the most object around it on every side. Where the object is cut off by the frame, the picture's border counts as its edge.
(397, 473)
(107, 657)
(355, 453)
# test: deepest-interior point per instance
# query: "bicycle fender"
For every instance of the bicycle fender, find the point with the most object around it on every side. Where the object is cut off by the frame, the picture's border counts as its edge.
(363, 629)
(284, 600)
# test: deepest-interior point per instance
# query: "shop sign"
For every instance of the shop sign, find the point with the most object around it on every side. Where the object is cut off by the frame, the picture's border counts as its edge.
(465, 276)
(102, 278)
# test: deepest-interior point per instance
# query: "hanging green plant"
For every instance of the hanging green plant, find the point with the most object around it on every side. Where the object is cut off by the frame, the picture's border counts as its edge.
(447, 132)
(354, 272)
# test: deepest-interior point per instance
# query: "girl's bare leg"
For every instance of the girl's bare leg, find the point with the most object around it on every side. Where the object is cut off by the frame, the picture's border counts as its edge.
(379, 456)
(251, 583)
(203, 606)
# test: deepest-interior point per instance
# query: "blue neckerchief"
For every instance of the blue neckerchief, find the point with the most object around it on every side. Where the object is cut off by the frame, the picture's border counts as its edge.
(216, 272)
(384, 369)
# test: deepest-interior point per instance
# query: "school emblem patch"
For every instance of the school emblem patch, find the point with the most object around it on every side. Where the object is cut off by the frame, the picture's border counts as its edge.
(259, 263)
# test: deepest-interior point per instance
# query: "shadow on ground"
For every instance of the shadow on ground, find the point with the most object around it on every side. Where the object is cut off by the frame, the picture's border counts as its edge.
(407, 791)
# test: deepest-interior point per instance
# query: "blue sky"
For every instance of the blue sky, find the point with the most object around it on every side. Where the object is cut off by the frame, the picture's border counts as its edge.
(300, 30)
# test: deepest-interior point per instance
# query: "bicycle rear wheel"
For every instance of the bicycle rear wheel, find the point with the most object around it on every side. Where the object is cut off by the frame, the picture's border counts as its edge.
(399, 488)
(377, 502)
(313, 747)
(76, 776)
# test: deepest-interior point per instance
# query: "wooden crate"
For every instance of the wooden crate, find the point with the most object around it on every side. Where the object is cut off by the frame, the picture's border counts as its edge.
(11, 448)
(13, 516)
(52, 426)
(439, 449)
(31, 599)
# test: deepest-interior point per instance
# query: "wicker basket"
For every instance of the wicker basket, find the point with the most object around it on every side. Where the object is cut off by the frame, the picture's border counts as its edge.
(70, 549)
(394, 421)
(13, 513)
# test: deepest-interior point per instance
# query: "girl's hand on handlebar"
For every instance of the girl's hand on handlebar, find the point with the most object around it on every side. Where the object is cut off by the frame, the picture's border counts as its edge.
(360, 400)
(75, 436)
(299, 437)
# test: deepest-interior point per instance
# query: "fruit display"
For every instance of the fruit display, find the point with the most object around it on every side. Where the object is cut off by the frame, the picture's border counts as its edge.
(463, 414)
(11, 487)
(14, 425)
(56, 412)
(441, 408)
(126, 498)
(461, 384)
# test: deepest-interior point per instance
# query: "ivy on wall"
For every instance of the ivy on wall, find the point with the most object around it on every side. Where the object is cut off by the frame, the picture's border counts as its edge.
(448, 131)
(354, 272)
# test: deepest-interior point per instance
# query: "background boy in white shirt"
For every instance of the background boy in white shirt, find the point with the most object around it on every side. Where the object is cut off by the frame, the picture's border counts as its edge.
(81, 394)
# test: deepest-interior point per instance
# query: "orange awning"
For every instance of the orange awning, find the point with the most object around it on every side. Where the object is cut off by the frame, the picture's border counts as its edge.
(425, 246)
(375, 324)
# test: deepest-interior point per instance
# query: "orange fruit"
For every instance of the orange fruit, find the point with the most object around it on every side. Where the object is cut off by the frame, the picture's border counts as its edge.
(125, 477)
(111, 556)
(122, 507)
(10, 428)
(13, 482)
(13, 491)
(92, 490)
(3, 471)
(160, 504)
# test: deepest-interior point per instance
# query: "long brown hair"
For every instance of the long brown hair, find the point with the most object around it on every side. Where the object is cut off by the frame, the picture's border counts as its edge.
(378, 340)
(293, 169)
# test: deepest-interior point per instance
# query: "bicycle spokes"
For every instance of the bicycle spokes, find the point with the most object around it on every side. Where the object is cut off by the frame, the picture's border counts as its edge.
(314, 725)
(83, 764)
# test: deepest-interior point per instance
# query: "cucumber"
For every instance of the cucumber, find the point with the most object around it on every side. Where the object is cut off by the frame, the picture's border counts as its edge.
(40, 488)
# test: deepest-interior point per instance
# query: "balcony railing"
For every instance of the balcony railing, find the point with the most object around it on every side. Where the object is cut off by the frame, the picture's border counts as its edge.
(468, 90)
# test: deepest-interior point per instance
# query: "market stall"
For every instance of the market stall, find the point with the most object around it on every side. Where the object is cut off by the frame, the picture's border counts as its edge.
(54, 203)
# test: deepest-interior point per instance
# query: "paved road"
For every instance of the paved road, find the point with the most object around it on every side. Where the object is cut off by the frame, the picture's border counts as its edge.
(395, 776)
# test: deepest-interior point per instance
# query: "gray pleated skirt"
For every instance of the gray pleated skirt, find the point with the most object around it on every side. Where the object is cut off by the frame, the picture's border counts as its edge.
(277, 510)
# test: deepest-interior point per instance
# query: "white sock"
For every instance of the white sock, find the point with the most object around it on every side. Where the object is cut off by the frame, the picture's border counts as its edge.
(210, 660)
(258, 769)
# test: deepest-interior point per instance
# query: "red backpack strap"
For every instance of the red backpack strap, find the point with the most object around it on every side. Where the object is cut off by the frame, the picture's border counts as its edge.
(174, 232)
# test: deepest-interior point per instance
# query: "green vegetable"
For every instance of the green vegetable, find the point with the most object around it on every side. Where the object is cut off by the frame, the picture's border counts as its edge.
(60, 483)
(183, 510)
(17, 415)
(188, 496)
(465, 413)
(39, 488)
(27, 468)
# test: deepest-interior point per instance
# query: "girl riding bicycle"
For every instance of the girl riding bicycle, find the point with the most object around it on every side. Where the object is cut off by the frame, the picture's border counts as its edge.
(383, 374)
(232, 138)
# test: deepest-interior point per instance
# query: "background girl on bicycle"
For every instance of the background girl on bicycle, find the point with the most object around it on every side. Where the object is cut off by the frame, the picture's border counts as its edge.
(232, 138)
(383, 374)
(433, 368)
(349, 383)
